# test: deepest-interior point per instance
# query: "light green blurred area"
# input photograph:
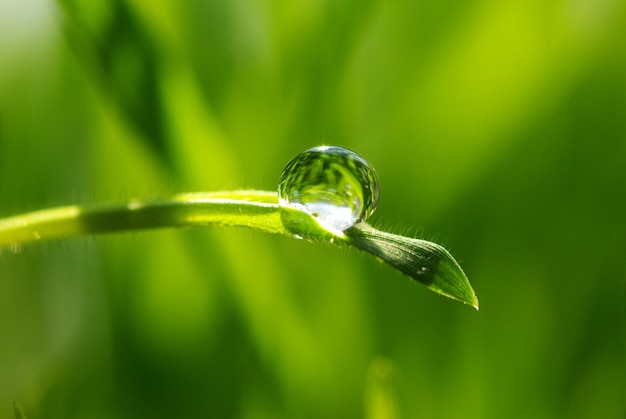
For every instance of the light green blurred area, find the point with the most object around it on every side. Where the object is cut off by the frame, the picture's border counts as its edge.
(497, 128)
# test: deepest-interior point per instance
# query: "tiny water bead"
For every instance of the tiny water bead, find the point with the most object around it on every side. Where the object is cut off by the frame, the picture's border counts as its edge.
(336, 186)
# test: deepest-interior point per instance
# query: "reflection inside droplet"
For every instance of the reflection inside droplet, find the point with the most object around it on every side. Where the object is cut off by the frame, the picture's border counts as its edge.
(334, 185)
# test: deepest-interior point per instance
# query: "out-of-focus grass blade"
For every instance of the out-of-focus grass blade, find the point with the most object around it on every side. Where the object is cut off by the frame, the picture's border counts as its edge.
(426, 262)
(17, 411)
(382, 395)
(123, 61)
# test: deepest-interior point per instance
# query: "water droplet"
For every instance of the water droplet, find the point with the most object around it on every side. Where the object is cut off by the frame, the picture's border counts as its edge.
(336, 186)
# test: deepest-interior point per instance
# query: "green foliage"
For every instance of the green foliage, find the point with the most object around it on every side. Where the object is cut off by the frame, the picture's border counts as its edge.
(17, 411)
(428, 263)
(497, 126)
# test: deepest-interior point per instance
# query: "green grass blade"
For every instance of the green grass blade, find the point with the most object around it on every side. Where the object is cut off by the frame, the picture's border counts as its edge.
(426, 262)
(255, 209)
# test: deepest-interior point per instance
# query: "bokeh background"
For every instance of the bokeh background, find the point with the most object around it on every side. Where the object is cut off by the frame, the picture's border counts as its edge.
(497, 128)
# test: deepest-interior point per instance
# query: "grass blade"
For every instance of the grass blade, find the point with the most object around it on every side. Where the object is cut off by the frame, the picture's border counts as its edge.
(17, 411)
(426, 262)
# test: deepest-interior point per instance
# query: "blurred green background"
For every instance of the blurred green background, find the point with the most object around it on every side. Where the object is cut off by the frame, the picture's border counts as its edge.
(497, 128)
